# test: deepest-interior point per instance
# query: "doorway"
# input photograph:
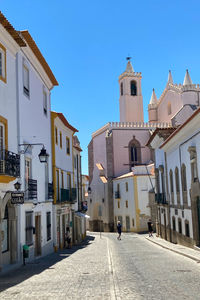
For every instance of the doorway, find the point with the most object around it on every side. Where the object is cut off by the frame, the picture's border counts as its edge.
(127, 223)
(38, 235)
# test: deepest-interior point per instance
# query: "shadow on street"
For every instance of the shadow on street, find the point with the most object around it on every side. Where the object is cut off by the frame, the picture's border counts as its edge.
(39, 265)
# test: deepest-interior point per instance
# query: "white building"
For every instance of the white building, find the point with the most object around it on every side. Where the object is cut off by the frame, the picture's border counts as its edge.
(131, 198)
(177, 176)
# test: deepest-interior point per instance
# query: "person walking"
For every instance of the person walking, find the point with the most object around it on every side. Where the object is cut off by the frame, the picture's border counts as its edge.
(119, 230)
(68, 237)
(150, 228)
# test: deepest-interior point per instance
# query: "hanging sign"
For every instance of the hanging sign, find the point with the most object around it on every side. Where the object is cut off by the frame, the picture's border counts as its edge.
(17, 197)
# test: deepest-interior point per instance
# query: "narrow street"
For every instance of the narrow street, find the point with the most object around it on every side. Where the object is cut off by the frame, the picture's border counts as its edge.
(105, 268)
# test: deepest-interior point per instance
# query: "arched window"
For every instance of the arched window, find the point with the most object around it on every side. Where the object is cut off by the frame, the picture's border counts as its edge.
(169, 108)
(177, 180)
(121, 88)
(171, 181)
(183, 177)
(134, 153)
(133, 88)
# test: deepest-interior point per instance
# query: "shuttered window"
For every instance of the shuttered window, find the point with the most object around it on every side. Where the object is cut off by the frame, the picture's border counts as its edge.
(29, 228)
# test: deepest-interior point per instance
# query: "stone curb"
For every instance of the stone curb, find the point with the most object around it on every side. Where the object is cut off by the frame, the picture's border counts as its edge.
(176, 251)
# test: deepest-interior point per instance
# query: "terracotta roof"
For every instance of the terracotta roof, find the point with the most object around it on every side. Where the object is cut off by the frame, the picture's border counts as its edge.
(28, 38)
(180, 127)
(65, 122)
(164, 132)
(11, 30)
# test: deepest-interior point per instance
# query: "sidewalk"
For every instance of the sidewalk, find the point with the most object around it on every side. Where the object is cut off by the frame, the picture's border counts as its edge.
(180, 249)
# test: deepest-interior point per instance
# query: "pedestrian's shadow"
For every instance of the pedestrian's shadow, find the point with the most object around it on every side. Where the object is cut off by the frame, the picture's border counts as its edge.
(39, 265)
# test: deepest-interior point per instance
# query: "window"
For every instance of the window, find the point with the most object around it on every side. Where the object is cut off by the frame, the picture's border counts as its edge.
(177, 180)
(180, 226)
(174, 224)
(193, 162)
(187, 229)
(157, 180)
(126, 186)
(56, 135)
(29, 228)
(126, 203)
(45, 102)
(57, 185)
(171, 181)
(121, 88)
(5, 231)
(67, 146)
(74, 162)
(48, 226)
(133, 88)
(134, 153)
(26, 80)
(60, 139)
(162, 178)
(169, 108)
(183, 177)
(62, 179)
(2, 63)
(118, 204)
(69, 181)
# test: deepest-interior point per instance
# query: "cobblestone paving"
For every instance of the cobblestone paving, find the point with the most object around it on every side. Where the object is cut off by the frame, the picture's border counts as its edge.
(106, 268)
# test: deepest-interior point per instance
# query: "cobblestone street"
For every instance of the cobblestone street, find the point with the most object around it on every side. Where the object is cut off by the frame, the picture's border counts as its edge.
(106, 268)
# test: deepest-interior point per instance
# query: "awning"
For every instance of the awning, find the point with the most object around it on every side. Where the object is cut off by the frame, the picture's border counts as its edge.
(79, 214)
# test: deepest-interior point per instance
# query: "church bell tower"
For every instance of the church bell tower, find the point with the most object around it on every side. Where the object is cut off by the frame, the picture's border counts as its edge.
(131, 100)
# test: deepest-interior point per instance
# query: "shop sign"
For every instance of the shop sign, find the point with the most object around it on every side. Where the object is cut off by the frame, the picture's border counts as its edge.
(17, 197)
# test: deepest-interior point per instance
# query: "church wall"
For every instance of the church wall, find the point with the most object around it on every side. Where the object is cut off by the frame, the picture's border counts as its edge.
(190, 97)
(121, 139)
(176, 103)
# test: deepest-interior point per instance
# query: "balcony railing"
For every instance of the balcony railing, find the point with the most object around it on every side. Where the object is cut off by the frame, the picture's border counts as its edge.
(50, 190)
(117, 195)
(32, 189)
(160, 198)
(9, 163)
(68, 195)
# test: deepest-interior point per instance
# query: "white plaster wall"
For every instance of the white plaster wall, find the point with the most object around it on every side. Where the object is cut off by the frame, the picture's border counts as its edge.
(123, 210)
(99, 190)
(190, 97)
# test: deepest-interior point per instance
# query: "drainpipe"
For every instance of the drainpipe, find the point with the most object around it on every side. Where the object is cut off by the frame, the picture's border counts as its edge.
(18, 142)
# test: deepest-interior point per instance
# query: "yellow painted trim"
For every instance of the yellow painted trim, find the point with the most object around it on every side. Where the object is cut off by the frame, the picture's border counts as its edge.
(55, 192)
(60, 135)
(5, 123)
(56, 135)
(53, 116)
(137, 210)
(1, 77)
(62, 179)
(73, 161)
(68, 173)
(6, 178)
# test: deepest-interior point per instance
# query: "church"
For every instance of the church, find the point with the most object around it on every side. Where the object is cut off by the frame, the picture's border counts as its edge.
(119, 149)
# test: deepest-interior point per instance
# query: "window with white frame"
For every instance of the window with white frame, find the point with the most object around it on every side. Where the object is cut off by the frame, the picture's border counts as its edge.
(29, 228)
(26, 80)
(2, 63)
(45, 102)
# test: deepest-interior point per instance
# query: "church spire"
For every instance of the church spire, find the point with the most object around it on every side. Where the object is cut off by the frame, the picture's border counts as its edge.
(153, 99)
(170, 79)
(129, 67)
(187, 79)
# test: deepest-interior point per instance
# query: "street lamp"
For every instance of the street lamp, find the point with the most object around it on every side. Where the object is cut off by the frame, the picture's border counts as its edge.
(17, 185)
(43, 155)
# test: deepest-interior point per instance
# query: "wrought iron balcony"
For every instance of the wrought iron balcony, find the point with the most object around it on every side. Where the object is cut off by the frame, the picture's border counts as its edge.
(117, 195)
(68, 195)
(160, 198)
(50, 190)
(9, 163)
(32, 189)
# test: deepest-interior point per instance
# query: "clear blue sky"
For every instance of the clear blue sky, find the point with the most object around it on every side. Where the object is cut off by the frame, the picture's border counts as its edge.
(86, 43)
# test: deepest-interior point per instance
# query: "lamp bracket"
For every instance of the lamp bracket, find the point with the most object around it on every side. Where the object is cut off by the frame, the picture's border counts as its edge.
(27, 146)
